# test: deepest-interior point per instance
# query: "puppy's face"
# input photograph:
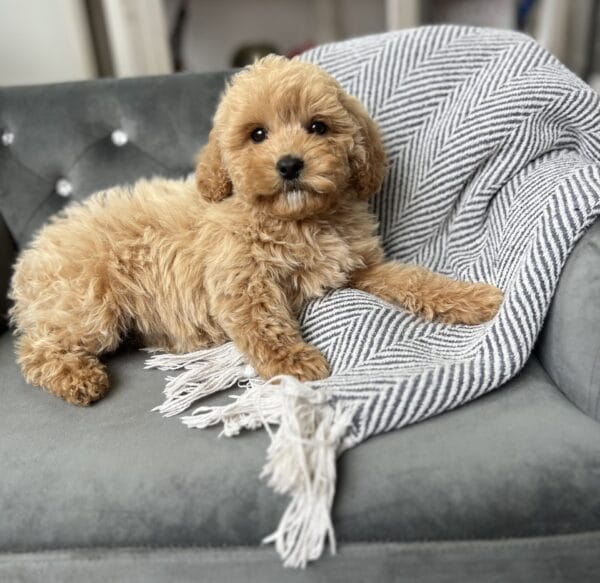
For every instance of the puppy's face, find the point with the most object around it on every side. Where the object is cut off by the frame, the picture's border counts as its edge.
(288, 140)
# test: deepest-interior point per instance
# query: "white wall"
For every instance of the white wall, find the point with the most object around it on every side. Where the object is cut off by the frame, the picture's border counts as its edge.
(43, 41)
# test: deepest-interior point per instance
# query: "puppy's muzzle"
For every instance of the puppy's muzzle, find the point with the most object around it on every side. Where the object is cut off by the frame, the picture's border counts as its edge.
(289, 167)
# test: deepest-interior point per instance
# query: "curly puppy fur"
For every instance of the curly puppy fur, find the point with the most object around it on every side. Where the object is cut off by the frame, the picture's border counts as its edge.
(231, 255)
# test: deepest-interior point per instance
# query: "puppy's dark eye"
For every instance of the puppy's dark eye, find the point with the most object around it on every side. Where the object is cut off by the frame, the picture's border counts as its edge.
(258, 135)
(316, 127)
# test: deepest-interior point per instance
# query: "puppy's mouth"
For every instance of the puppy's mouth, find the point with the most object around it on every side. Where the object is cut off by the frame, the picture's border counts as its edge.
(293, 186)
(295, 193)
(296, 198)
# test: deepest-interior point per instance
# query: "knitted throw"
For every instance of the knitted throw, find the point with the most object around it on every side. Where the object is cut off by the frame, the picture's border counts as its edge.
(494, 174)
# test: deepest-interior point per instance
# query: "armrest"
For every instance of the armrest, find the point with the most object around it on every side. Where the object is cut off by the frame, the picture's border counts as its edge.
(569, 344)
(7, 257)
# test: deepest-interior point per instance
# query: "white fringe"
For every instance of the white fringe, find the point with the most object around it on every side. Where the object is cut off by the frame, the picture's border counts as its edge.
(207, 371)
(301, 459)
(301, 462)
(258, 406)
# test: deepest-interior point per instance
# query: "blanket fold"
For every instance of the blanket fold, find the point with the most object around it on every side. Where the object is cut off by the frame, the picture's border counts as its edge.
(494, 175)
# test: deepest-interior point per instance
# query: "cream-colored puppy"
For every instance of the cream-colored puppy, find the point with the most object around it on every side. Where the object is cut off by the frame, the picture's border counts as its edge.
(278, 215)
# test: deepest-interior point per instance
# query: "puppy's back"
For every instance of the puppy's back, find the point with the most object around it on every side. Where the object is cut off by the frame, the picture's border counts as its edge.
(98, 241)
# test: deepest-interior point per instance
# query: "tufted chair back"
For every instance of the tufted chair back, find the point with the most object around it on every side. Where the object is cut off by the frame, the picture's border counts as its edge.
(62, 142)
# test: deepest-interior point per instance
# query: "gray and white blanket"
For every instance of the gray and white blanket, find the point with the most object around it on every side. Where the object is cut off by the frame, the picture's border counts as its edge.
(494, 174)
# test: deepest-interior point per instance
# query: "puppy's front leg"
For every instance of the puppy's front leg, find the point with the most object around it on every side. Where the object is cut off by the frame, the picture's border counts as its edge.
(429, 294)
(255, 314)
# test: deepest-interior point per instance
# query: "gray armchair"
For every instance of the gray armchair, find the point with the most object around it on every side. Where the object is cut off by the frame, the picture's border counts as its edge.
(115, 492)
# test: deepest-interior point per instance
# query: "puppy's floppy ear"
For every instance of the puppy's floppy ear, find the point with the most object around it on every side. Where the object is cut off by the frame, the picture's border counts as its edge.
(367, 159)
(212, 179)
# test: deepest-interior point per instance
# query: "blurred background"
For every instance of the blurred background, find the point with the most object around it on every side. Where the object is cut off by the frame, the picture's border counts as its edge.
(43, 41)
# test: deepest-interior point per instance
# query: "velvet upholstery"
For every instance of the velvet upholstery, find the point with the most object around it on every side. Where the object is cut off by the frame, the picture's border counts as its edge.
(551, 559)
(522, 461)
(107, 492)
(64, 131)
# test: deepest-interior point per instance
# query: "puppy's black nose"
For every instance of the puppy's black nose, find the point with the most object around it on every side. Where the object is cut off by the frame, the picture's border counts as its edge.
(289, 167)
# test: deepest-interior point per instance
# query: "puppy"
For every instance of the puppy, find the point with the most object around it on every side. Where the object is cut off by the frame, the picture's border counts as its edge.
(277, 215)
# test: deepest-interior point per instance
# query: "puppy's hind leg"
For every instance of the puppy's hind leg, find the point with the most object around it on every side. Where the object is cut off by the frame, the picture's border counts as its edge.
(73, 374)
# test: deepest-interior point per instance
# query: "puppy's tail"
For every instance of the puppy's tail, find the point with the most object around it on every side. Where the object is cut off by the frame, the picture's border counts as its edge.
(76, 376)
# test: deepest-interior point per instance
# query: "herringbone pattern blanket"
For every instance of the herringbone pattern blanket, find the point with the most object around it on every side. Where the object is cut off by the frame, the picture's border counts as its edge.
(494, 174)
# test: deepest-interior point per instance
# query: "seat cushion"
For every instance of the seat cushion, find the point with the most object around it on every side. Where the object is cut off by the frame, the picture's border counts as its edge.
(522, 461)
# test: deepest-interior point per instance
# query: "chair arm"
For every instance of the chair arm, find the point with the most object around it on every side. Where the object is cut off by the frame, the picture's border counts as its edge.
(569, 344)
(7, 257)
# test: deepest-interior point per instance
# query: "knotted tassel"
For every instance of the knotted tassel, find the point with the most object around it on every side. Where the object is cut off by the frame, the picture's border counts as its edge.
(207, 371)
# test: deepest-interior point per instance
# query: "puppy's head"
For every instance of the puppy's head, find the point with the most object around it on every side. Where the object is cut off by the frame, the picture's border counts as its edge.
(287, 139)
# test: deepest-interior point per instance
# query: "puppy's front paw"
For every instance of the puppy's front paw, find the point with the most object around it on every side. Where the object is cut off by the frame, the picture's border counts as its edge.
(303, 361)
(489, 300)
(474, 304)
